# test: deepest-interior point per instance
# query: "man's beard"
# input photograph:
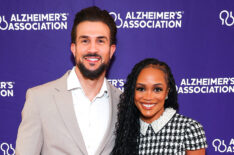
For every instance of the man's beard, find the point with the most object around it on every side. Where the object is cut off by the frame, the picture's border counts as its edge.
(92, 74)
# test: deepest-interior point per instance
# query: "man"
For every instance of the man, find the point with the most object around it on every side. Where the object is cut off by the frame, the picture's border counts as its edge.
(76, 114)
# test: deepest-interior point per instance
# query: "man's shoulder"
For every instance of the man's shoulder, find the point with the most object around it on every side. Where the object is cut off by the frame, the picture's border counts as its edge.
(49, 86)
(114, 89)
(115, 92)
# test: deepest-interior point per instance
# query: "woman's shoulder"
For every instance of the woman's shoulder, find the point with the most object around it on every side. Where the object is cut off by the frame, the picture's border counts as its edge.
(185, 121)
(194, 134)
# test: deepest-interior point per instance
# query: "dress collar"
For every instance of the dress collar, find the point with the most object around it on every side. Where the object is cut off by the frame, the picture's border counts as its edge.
(158, 124)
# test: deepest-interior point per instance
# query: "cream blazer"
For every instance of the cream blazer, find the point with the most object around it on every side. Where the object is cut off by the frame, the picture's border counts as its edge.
(49, 125)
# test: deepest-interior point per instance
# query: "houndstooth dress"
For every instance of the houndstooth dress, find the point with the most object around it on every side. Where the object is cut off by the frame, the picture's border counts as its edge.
(171, 134)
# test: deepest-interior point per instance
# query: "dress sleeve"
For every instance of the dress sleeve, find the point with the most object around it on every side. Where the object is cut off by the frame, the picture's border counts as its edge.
(195, 136)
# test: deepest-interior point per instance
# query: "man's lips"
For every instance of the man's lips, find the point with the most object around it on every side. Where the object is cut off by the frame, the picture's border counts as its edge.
(92, 58)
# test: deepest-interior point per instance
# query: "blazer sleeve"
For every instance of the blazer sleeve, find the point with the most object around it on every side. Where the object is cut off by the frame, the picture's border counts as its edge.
(29, 139)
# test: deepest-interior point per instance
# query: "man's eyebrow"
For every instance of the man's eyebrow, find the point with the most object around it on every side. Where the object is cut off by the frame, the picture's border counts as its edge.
(84, 36)
(99, 37)
(102, 37)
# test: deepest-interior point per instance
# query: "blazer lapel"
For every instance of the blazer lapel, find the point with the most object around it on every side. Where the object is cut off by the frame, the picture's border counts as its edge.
(64, 102)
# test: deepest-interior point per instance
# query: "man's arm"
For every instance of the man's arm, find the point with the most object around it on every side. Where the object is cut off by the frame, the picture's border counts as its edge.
(29, 139)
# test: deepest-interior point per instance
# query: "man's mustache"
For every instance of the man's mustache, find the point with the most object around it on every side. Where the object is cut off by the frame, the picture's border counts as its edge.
(92, 55)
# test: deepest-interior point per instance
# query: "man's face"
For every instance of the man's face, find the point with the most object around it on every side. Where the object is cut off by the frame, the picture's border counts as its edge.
(92, 50)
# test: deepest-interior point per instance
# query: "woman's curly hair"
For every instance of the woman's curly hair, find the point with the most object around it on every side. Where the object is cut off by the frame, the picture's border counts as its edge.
(128, 124)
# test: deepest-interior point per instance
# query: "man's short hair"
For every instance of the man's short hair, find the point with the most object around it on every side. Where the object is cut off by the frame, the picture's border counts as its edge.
(95, 14)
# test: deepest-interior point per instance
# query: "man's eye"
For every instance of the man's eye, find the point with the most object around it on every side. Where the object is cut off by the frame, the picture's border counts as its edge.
(101, 41)
(157, 89)
(140, 89)
(84, 41)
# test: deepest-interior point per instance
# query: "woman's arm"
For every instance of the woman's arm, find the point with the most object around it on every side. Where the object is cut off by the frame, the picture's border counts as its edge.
(196, 152)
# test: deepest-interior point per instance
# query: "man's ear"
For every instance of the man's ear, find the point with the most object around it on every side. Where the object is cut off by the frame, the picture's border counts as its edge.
(73, 49)
(112, 50)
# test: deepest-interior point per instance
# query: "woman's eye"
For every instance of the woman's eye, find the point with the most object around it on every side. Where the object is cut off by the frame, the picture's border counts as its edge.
(140, 89)
(158, 89)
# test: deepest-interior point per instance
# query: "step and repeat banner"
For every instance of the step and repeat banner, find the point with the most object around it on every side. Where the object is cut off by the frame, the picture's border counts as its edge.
(196, 38)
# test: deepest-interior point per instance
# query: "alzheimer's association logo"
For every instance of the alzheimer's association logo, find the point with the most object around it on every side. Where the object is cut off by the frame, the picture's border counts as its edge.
(3, 23)
(7, 88)
(34, 22)
(148, 19)
(117, 18)
(7, 149)
(118, 83)
(226, 17)
(221, 146)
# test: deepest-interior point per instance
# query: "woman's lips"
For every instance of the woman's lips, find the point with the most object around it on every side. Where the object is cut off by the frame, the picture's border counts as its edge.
(148, 106)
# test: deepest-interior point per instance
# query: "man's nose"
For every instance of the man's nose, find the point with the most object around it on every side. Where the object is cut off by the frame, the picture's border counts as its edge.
(92, 47)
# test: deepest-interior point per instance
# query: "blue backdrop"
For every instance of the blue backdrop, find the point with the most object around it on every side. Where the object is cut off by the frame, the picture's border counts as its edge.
(196, 38)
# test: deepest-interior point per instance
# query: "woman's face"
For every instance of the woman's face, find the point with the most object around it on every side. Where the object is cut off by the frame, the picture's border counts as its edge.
(150, 93)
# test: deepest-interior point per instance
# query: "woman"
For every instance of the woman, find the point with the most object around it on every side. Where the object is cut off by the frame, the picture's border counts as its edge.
(147, 120)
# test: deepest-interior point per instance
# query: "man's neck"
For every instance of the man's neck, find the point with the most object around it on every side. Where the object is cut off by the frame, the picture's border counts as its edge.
(90, 87)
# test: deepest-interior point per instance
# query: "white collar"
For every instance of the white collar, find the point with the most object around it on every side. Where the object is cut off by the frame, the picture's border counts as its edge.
(158, 124)
(74, 83)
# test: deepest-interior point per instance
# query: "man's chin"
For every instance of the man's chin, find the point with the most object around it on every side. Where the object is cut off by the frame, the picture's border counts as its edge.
(92, 68)
(93, 73)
